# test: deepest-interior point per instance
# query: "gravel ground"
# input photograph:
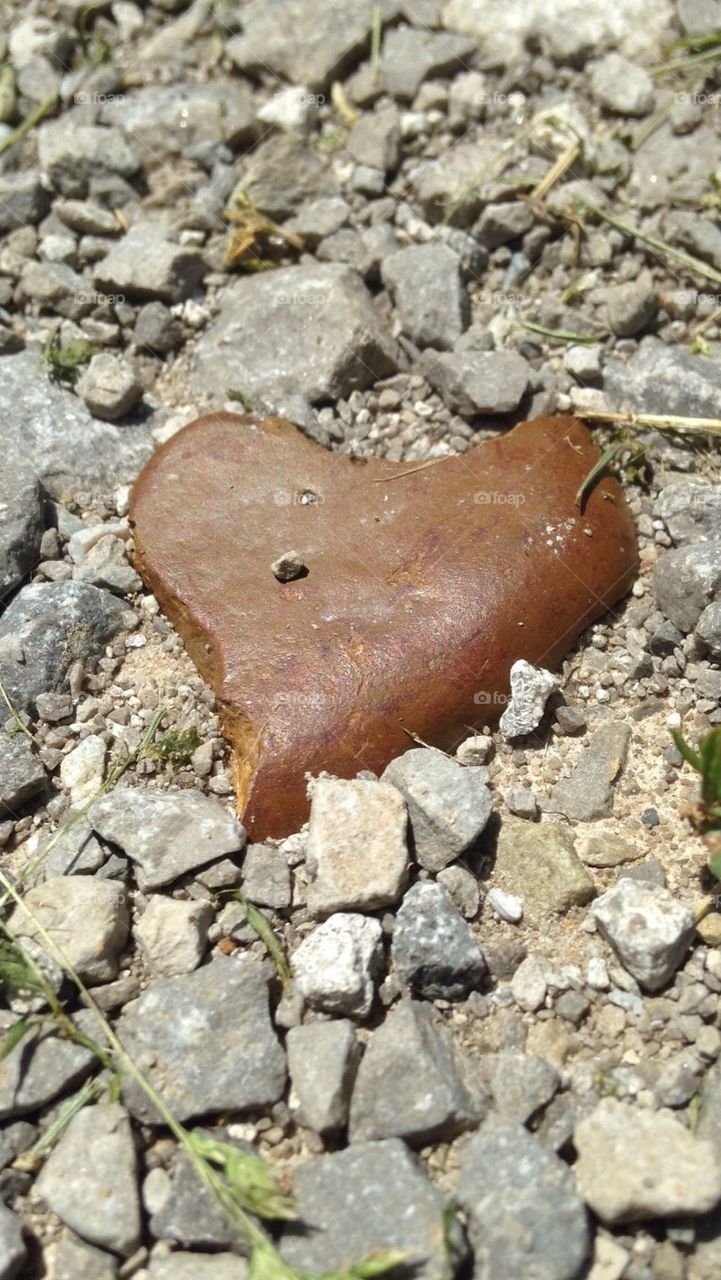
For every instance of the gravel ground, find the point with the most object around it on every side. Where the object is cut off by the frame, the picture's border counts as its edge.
(505, 965)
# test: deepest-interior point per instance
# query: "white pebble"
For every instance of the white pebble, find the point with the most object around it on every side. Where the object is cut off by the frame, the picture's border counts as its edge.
(506, 905)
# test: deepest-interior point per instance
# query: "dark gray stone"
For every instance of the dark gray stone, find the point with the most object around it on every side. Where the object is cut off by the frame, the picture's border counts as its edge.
(90, 1178)
(157, 331)
(454, 187)
(708, 630)
(71, 153)
(500, 223)
(434, 950)
(307, 331)
(146, 265)
(472, 382)
(691, 231)
(205, 1041)
(630, 307)
(448, 804)
(409, 1083)
(663, 379)
(47, 431)
(521, 1084)
(163, 121)
(21, 526)
(166, 833)
(12, 1247)
(373, 1196)
(48, 627)
(42, 1066)
(75, 853)
(686, 580)
(191, 1214)
(587, 792)
(411, 56)
(429, 292)
(525, 1216)
(266, 877)
(375, 139)
(23, 199)
(323, 1059)
(282, 173)
(22, 775)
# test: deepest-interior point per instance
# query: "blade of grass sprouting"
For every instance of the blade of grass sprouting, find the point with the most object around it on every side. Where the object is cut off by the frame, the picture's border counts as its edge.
(560, 335)
(376, 34)
(44, 109)
(262, 927)
(630, 229)
(16, 1033)
(22, 727)
(89, 1092)
(659, 421)
(597, 470)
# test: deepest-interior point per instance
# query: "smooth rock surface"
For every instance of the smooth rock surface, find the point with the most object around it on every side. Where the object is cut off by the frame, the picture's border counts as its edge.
(205, 1041)
(377, 558)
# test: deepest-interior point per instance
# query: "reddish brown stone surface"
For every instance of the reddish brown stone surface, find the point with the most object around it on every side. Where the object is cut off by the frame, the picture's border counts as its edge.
(423, 586)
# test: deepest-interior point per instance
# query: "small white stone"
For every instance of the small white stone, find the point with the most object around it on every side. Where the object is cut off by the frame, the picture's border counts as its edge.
(528, 985)
(597, 974)
(174, 934)
(81, 542)
(335, 965)
(83, 769)
(530, 689)
(290, 108)
(648, 928)
(507, 906)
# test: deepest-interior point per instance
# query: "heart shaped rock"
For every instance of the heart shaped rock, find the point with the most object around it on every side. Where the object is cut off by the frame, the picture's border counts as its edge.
(419, 587)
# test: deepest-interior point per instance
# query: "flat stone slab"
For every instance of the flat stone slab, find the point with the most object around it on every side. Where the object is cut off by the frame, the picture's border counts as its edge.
(423, 586)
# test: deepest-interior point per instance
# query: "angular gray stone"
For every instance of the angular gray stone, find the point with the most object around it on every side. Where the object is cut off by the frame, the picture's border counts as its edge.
(357, 855)
(71, 153)
(166, 833)
(90, 1178)
(375, 139)
(531, 687)
(42, 1066)
(190, 1214)
(48, 627)
(664, 379)
(322, 1060)
(690, 509)
(621, 86)
(587, 792)
(410, 56)
(471, 382)
(525, 1217)
(157, 330)
(448, 804)
(462, 888)
(334, 967)
(686, 580)
(372, 1196)
(334, 39)
(660, 1169)
(500, 223)
(85, 454)
(648, 928)
(539, 864)
(708, 630)
(23, 200)
(318, 219)
(434, 950)
(308, 331)
(430, 296)
(106, 565)
(454, 187)
(701, 237)
(12, 1246)
(520, 1084)
(85, 916)
(409, 1083)
(22, 775)
(630, 307)
(162, 120)
(145, 265)
(21, 526)
(174, 934)
(109, 387)
(76, 852)
(282, 173)
(205, 1041)
(70, 1259)
(266, 877)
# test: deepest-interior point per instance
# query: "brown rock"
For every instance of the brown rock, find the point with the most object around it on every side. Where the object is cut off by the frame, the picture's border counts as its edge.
(423, 586)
